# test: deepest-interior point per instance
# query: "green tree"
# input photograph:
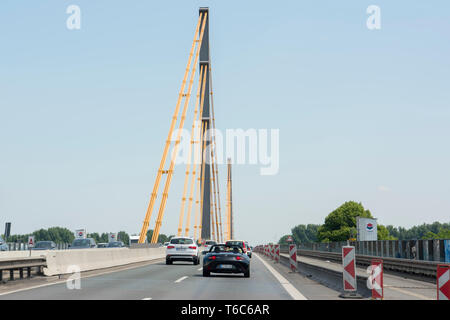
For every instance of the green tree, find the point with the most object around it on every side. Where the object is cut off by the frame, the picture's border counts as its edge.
(429, 236)
(124, 237)
(104, 237)
(94, 236)
(161, 237)
(340, 225)
(383, 233)
(283, 239)
(305, 234)
(444, 234)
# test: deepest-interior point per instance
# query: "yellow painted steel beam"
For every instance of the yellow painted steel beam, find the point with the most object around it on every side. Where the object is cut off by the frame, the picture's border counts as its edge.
(211, 213)
(148, 214)
(177, 142)
(191, 187)
(197, 185)
(188, 165)
(215, 153)
(202, 184)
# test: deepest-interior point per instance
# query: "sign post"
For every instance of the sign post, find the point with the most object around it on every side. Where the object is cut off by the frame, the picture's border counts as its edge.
(30, 243)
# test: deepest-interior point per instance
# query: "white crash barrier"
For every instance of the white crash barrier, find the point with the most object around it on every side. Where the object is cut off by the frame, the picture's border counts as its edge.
(58, 262)
(22, 254)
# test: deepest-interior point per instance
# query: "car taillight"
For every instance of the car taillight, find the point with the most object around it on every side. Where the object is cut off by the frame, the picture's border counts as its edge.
(170, 247)
(192, 247)
(238, 258)
(212, 258)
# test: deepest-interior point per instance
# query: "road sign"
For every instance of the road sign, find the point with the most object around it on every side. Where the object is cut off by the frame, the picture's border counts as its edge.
(112, 237)
(289, 239)
(80, 234)
(377, 279)
(30, 241)
(443, 282)
(293, 257)
(349, 272)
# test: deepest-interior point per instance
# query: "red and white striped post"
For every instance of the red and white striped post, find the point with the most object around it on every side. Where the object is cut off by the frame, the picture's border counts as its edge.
(443, 282)
(272, 251)
(277, 253)
(377, 279)
(293, 257)
(349, 272)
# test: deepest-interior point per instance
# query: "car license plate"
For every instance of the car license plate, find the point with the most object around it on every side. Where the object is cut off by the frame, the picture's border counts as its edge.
(181, 249)
(226, 266)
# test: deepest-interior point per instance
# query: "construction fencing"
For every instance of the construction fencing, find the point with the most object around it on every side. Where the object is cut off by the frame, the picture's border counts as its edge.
(426, 250)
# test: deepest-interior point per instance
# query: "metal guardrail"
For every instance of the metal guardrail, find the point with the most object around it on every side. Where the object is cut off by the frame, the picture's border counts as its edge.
(20, 246)
(20, 264)
(418, 267)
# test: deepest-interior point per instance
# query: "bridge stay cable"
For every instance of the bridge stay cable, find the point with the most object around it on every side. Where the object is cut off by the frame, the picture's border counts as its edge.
(161, 170)
(190, 165)
(177, 142)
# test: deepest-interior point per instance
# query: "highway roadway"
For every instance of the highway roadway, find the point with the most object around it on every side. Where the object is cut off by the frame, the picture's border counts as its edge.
(184, 281)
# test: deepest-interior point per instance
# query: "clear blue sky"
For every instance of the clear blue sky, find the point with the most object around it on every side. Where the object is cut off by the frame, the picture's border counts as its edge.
(363, 115)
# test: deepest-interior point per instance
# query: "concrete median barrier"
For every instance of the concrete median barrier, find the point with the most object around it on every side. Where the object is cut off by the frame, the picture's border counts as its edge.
(58, 262)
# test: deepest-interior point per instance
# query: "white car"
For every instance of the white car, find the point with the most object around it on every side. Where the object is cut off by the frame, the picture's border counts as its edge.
(208, 245)
(182, 249)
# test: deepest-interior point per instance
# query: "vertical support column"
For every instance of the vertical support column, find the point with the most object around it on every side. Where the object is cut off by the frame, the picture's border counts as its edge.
(206, 122)
(436, 253)
(425, 250)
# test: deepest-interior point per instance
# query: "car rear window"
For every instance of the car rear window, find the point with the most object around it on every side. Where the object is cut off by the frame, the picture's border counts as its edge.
(234, 243)
(181, 241)
(226, 248)
(210, 243)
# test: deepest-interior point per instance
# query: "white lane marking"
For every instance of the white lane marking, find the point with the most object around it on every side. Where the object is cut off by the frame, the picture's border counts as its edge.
(200, 269)
(293, 292)
(181, 279)
(82, 277)
(147, 299)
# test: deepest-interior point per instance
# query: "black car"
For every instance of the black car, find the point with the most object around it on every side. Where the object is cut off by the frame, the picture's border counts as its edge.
(226, 259)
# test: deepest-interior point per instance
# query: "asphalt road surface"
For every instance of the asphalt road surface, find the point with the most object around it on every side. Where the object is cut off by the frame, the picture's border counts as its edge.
(184, 281)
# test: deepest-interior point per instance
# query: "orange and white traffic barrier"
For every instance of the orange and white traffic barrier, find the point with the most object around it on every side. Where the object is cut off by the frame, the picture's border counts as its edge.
(377, 279)
(293, 257)
(349, 264)
(277, 253)
(443, 282)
